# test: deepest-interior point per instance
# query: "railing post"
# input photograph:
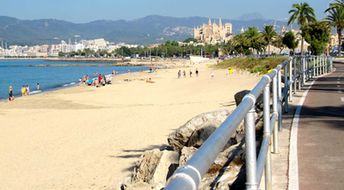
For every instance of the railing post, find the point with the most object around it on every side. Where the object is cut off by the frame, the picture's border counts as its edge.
(331, 64)
(303, 64)
(267, 132)
(290, 79)
(279, 91)
(275, 111)
(295, 75)
(313, 67)
(321, 65)
(307, 68)
(286, 89)
(326, 64)
(318, 61)
(251, 156)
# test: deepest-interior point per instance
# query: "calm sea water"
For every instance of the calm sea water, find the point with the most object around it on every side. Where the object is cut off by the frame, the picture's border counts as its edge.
(50, 75)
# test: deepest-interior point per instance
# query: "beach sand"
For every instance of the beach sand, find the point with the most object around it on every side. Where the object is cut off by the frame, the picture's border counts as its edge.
(89, 138)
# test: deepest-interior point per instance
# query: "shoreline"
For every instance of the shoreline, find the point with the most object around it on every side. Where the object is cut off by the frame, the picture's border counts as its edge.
(72, 84)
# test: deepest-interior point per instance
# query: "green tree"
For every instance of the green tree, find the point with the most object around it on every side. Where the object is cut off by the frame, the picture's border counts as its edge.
(317, 34)
(241, 44)
(124, 51)
(335, 5)
(228, 48)
(303, 14)
(269, 34)
(255, 39)
(335, 18)
(278, 42)
(290, 41)
(190, 40)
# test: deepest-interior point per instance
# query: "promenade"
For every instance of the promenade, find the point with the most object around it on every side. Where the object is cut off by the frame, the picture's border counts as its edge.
(321, 133)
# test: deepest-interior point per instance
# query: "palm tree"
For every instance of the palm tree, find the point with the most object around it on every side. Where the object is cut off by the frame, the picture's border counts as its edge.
(303, 14)
(269, 34)
(336, 4)
(278, 42)
(255, 39)
(335, 18)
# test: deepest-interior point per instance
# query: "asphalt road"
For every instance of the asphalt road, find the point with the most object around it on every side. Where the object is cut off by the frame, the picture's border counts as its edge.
(321, 134)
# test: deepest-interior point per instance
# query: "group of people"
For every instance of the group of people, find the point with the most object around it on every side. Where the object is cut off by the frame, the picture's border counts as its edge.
(25, 91)
(184, 73)
(100, 80)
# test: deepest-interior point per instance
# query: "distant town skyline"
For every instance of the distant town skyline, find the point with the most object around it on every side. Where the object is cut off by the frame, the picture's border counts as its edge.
(81, 11)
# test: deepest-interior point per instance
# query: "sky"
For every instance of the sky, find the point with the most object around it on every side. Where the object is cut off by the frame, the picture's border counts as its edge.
(81, 11)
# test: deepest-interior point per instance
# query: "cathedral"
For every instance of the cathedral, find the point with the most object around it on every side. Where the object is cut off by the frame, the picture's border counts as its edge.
(213, 33)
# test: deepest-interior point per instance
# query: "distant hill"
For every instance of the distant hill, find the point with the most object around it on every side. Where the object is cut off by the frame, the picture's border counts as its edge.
(150, 29)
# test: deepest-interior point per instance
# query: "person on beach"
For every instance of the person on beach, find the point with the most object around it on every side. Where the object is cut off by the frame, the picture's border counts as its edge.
(103, 81)
(190, 73)
(212, 75)
(179, 73)
(196, 72)
(27, 90)
(184, 73)
(10, 93)
(37, 86)
(23, 90)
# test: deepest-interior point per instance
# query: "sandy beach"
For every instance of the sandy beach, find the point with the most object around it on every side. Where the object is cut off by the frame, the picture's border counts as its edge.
(88, 138)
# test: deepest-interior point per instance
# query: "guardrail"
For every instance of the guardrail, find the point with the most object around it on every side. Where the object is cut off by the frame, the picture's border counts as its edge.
(297, 70)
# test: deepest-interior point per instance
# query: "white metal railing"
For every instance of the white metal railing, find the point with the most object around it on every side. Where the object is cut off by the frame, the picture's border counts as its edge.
(297, 70)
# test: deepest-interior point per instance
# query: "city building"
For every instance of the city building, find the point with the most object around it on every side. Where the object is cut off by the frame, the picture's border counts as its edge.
(213, 33)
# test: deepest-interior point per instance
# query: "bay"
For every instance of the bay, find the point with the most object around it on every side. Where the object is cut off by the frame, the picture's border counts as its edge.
(52, 74)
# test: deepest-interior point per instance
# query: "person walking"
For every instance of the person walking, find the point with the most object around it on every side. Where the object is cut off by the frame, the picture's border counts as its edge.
(10, 93)
(196, 72)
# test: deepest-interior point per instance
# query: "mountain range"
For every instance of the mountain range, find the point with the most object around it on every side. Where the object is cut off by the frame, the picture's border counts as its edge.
(149, 29)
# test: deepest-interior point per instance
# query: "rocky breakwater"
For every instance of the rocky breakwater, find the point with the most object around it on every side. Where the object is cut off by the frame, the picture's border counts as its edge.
(154, 167)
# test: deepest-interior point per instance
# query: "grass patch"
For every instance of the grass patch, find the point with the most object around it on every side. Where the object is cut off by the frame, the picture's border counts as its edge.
(253, 65)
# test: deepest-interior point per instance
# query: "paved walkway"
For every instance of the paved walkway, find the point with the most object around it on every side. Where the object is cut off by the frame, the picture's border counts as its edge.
(321, 134)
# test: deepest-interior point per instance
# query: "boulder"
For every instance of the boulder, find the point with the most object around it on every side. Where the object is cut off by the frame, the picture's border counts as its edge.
(259, 106)
(168, 163)
(185, 154)
(194, 132)
(153, 169)
(145, 167)
(240, 95)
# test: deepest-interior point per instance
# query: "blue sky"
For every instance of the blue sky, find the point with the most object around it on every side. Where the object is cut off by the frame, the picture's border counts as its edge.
(88, 10)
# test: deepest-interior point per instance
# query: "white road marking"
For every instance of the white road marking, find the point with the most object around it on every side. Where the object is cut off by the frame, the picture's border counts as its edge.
(338, 82)
(342, 99)
(293, 172)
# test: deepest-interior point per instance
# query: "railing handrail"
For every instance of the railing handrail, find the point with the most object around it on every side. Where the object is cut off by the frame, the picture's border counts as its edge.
(189, 176)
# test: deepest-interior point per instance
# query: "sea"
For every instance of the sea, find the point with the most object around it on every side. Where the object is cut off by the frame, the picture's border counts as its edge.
(52, 74)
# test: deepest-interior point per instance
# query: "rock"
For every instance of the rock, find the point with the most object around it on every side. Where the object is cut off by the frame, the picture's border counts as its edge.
(258, 107)
(197, 130)
(240, 95)
(224, 172)
(185, 154)
(168, 163)
(146, 166)
(198, 137)
(153, 169)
